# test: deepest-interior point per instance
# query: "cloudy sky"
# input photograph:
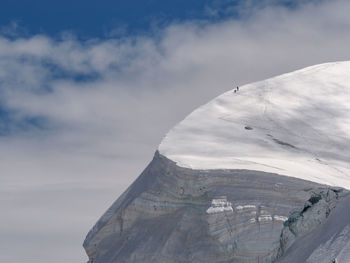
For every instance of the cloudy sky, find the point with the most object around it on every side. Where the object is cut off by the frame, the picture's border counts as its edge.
(89, 88)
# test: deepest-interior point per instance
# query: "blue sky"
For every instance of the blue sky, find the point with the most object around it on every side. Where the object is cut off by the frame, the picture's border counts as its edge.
(98, 18)
(89, 89)
(108, 18)
(93, 18)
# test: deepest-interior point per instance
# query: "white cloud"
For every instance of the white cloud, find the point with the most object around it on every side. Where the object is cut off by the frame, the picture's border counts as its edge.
(100, 134)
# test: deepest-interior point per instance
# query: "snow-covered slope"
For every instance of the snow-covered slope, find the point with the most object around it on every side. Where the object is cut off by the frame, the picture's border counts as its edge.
(296, 124)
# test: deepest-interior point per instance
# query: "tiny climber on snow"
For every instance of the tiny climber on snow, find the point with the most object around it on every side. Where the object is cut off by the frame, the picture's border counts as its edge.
(236, 89)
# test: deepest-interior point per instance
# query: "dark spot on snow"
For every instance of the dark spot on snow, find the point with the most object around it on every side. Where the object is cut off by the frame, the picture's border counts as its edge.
(248, 128)
(283, 143)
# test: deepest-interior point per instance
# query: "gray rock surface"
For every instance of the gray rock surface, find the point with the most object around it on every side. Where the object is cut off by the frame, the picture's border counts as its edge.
(174, 214)
(327, 243)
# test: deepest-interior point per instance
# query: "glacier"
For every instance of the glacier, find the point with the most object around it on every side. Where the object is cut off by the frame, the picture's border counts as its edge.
(299, 126)
(256, 175)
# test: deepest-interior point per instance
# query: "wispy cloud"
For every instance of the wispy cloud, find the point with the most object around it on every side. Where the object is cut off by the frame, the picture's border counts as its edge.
(82, 118)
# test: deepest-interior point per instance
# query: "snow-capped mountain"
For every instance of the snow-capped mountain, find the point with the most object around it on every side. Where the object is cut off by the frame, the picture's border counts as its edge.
(258, 174)
(296, 124)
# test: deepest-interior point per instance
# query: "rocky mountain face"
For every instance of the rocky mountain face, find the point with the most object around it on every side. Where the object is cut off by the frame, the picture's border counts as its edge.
(167, 215)
(326, 242)
(248, 177)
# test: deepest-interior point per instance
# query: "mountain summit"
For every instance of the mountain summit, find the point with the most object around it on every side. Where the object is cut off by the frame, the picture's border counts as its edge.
(258, 174)
(296, 124)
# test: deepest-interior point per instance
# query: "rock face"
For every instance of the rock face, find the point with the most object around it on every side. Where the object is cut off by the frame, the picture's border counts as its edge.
(167, 215)
(328, 242)
(255, 175)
